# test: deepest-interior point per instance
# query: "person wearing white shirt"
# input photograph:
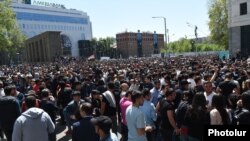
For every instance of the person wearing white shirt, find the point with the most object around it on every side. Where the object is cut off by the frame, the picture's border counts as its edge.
(1, 89)
(209, 93)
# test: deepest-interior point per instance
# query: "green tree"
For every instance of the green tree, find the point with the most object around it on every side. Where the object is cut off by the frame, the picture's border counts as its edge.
(11, 39)
(188, 45)
(103, 47)
(218, 20)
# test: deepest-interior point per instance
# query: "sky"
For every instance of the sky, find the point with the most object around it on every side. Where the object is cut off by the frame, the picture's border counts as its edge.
(110, 17)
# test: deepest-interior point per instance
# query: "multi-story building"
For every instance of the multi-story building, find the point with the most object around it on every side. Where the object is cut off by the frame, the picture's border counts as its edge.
(136, 44)
(45, 47)
(239, 27)
(35, 17)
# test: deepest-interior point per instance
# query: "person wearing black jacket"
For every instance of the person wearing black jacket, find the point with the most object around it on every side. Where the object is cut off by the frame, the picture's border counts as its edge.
(84, 129)
(9, 111)
(63, 98)
(243, 118)
(71, 111)
(49, 107)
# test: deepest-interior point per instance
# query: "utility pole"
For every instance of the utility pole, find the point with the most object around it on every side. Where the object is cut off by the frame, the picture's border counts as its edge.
(166, 30)
(196, 37)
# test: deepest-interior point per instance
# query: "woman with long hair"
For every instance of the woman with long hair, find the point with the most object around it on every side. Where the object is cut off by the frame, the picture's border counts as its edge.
(196, 117)
(219, 115)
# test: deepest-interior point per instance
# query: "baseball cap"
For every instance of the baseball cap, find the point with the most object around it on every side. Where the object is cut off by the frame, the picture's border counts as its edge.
(103, 122)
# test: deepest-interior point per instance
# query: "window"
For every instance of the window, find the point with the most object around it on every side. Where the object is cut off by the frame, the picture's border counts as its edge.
(243, 8)
(50, 18)
(23, 26)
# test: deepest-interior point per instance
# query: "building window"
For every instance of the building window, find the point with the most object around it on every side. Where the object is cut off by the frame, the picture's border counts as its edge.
(23, 26)
(243, 8)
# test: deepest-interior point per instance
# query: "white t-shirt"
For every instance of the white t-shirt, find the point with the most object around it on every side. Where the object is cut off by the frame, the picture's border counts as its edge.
(2, 92)
(215, 117)
(209, 98)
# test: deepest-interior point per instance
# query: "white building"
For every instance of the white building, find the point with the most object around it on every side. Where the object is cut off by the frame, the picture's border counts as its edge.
(34, 19)
(239, 27)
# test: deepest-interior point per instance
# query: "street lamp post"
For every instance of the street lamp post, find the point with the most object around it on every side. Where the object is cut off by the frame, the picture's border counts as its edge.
(166, 30)
(18, 57)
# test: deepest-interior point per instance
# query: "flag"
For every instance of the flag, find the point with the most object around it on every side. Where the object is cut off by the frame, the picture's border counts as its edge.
(91, 57)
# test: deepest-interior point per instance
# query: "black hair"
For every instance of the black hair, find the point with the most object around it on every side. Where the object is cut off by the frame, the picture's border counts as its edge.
(8, 89)
(135, 95)
(198, 108)
(197, 79)
(245, 97)
(30, 101)
(62, 84)
(189, 96)
(146, 92)
(169, 92)
(199, 101)
(218, 102)
(128, 93)
(111, 85)
(157, 81)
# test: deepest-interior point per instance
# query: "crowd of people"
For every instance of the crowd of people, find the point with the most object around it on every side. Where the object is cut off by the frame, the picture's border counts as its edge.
(143, 99)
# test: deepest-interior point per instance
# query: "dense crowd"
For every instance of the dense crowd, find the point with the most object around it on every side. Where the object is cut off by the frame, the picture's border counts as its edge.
(144, 99)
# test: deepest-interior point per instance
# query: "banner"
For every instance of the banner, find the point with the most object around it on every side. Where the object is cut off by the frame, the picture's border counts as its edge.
(91, 57)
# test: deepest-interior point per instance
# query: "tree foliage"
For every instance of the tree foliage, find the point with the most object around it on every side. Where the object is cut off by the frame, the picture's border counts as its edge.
(11, 39)
(104, 47)
(189, 45)
(218, 20)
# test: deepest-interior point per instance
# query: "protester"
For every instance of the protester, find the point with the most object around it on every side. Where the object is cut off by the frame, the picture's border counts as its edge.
(48, 106)
(219, 115)
(33, 124)
(109, 106)
(125, 102)
(64, 75)
(168, 124)
(71, 111)
(84, 130)
(148, 109)
(103, 125)
(196, 117)
(9, 110)
(135, 119)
